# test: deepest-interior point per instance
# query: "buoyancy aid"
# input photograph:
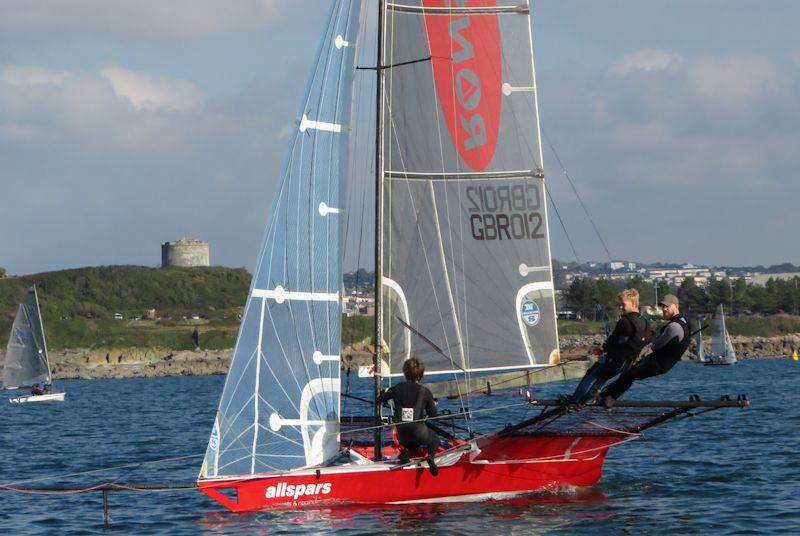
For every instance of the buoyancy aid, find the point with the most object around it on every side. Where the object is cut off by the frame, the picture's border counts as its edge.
(673, 350)
(628, 348)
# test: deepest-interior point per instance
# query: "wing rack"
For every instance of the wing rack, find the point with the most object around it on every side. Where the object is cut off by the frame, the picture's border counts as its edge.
(625, 418)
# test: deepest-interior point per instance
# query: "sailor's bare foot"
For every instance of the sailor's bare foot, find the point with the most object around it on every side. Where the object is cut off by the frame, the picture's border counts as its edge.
(608, 401)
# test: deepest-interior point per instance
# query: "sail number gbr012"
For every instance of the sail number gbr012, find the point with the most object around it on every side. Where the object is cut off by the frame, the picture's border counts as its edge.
(506, 212)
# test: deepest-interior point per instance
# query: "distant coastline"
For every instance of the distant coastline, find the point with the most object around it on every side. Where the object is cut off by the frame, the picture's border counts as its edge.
(103, 363)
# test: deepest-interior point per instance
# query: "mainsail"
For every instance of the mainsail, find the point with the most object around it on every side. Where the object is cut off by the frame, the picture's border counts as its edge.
(280, 404)
(721, 343)
(465, 249)
(26, 354)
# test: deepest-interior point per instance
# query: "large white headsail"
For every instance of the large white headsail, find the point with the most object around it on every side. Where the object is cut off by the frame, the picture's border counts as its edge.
(466, 255)
(280, 405)
(26, 354)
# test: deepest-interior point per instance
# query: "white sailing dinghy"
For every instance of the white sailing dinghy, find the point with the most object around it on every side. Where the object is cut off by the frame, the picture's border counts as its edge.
(722, 352)
(463, 274)
(26, 354)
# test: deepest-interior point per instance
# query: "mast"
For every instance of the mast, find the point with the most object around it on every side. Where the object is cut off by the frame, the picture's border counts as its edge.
(378, 234)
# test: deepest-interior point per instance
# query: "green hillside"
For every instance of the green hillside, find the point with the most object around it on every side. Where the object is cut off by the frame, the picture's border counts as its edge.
(78, 306)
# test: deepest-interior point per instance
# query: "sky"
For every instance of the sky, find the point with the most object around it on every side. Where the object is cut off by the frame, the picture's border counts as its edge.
(127, 124)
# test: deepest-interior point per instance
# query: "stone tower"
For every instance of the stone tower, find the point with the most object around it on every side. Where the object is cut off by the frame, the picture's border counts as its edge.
(185, 252)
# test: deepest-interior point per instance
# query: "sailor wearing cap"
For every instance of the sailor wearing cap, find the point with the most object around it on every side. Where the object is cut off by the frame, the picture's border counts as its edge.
(668, 347)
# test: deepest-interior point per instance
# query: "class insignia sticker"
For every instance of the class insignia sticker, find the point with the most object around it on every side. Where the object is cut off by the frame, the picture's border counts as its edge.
(530, 312)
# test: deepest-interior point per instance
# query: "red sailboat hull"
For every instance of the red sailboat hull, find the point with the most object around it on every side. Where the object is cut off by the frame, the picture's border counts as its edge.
(498, 467)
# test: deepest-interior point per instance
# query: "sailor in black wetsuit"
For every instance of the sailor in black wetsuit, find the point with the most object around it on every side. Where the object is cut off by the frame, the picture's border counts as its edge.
(412, 401)
(621, 348)
(668, 347)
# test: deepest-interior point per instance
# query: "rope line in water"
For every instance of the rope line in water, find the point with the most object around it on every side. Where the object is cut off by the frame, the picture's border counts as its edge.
(92, 471)
(105, 486)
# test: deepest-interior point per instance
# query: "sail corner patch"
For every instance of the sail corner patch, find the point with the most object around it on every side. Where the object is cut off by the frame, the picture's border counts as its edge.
(530, 312)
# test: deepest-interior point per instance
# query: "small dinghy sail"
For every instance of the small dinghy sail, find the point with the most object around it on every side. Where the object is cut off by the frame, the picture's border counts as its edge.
(722, 352)
(463, 273)
(700, 351)
(26, 362)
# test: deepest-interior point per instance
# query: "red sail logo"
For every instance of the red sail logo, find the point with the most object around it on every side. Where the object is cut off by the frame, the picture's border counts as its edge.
(465, 51)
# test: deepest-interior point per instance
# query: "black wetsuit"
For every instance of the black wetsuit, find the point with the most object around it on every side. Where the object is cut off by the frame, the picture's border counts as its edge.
(621, 348)
(412, 402)
(669, 346)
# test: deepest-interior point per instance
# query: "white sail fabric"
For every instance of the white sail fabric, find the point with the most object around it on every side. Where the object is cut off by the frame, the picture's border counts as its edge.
(465, 246)
(26, 354)
(280, 405)
(701, 354)
(721, 343)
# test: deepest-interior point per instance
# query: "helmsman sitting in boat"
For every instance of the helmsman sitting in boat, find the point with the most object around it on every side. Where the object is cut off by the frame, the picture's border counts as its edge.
(621, 348)
(412, 401)
(40, 389)
(672, 342)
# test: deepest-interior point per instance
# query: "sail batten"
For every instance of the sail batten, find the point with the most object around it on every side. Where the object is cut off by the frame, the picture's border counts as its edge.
(459, 10)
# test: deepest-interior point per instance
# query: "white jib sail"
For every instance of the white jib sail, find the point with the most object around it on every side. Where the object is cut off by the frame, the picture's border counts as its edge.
(280, 405)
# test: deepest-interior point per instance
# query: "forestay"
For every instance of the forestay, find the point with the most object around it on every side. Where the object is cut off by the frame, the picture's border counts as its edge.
(280, 404)
(26, 354)
(465, 247)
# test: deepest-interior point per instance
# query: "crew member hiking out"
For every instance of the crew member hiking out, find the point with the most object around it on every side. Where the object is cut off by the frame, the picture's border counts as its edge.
(671, 343)
(412, 401)
(620, 349)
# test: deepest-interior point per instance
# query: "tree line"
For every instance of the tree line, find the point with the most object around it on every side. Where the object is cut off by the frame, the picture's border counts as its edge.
(591, 297)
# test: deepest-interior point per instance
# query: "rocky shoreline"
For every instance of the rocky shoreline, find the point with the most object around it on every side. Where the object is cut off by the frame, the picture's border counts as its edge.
(156, 362)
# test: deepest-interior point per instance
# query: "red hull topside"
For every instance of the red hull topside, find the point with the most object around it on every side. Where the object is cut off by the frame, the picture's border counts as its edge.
(492, 467)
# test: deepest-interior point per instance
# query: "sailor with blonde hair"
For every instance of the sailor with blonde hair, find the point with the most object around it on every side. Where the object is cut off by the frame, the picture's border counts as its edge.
(620, 349)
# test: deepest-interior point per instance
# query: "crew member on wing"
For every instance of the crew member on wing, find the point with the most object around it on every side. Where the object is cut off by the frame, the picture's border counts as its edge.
(668, 347)
(412, 401)
(621, 348)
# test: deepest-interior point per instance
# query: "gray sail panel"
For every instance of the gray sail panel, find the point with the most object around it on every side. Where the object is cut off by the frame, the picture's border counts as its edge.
(465, 235)
(26, 353)
(280, 405)
(718, 336)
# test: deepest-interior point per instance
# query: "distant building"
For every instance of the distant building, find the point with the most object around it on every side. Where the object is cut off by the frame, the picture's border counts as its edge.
(761, 279)
(185, 252)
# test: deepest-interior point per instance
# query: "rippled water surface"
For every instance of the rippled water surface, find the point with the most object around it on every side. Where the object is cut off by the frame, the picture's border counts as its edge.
(726, 472)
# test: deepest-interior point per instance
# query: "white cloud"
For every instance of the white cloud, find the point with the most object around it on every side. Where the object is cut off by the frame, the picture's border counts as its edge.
(31, 76)
(114, 108)
(644, 60)
(148, 92)
(171, 19)
(735, 83)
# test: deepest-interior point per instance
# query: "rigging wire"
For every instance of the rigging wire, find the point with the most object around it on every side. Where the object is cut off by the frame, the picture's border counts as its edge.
(575, 190)
(563, 227)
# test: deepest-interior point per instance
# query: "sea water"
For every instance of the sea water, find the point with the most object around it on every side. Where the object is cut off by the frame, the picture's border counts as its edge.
(725, 472)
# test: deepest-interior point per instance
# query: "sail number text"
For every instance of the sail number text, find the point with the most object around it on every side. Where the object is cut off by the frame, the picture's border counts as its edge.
(505, 212)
